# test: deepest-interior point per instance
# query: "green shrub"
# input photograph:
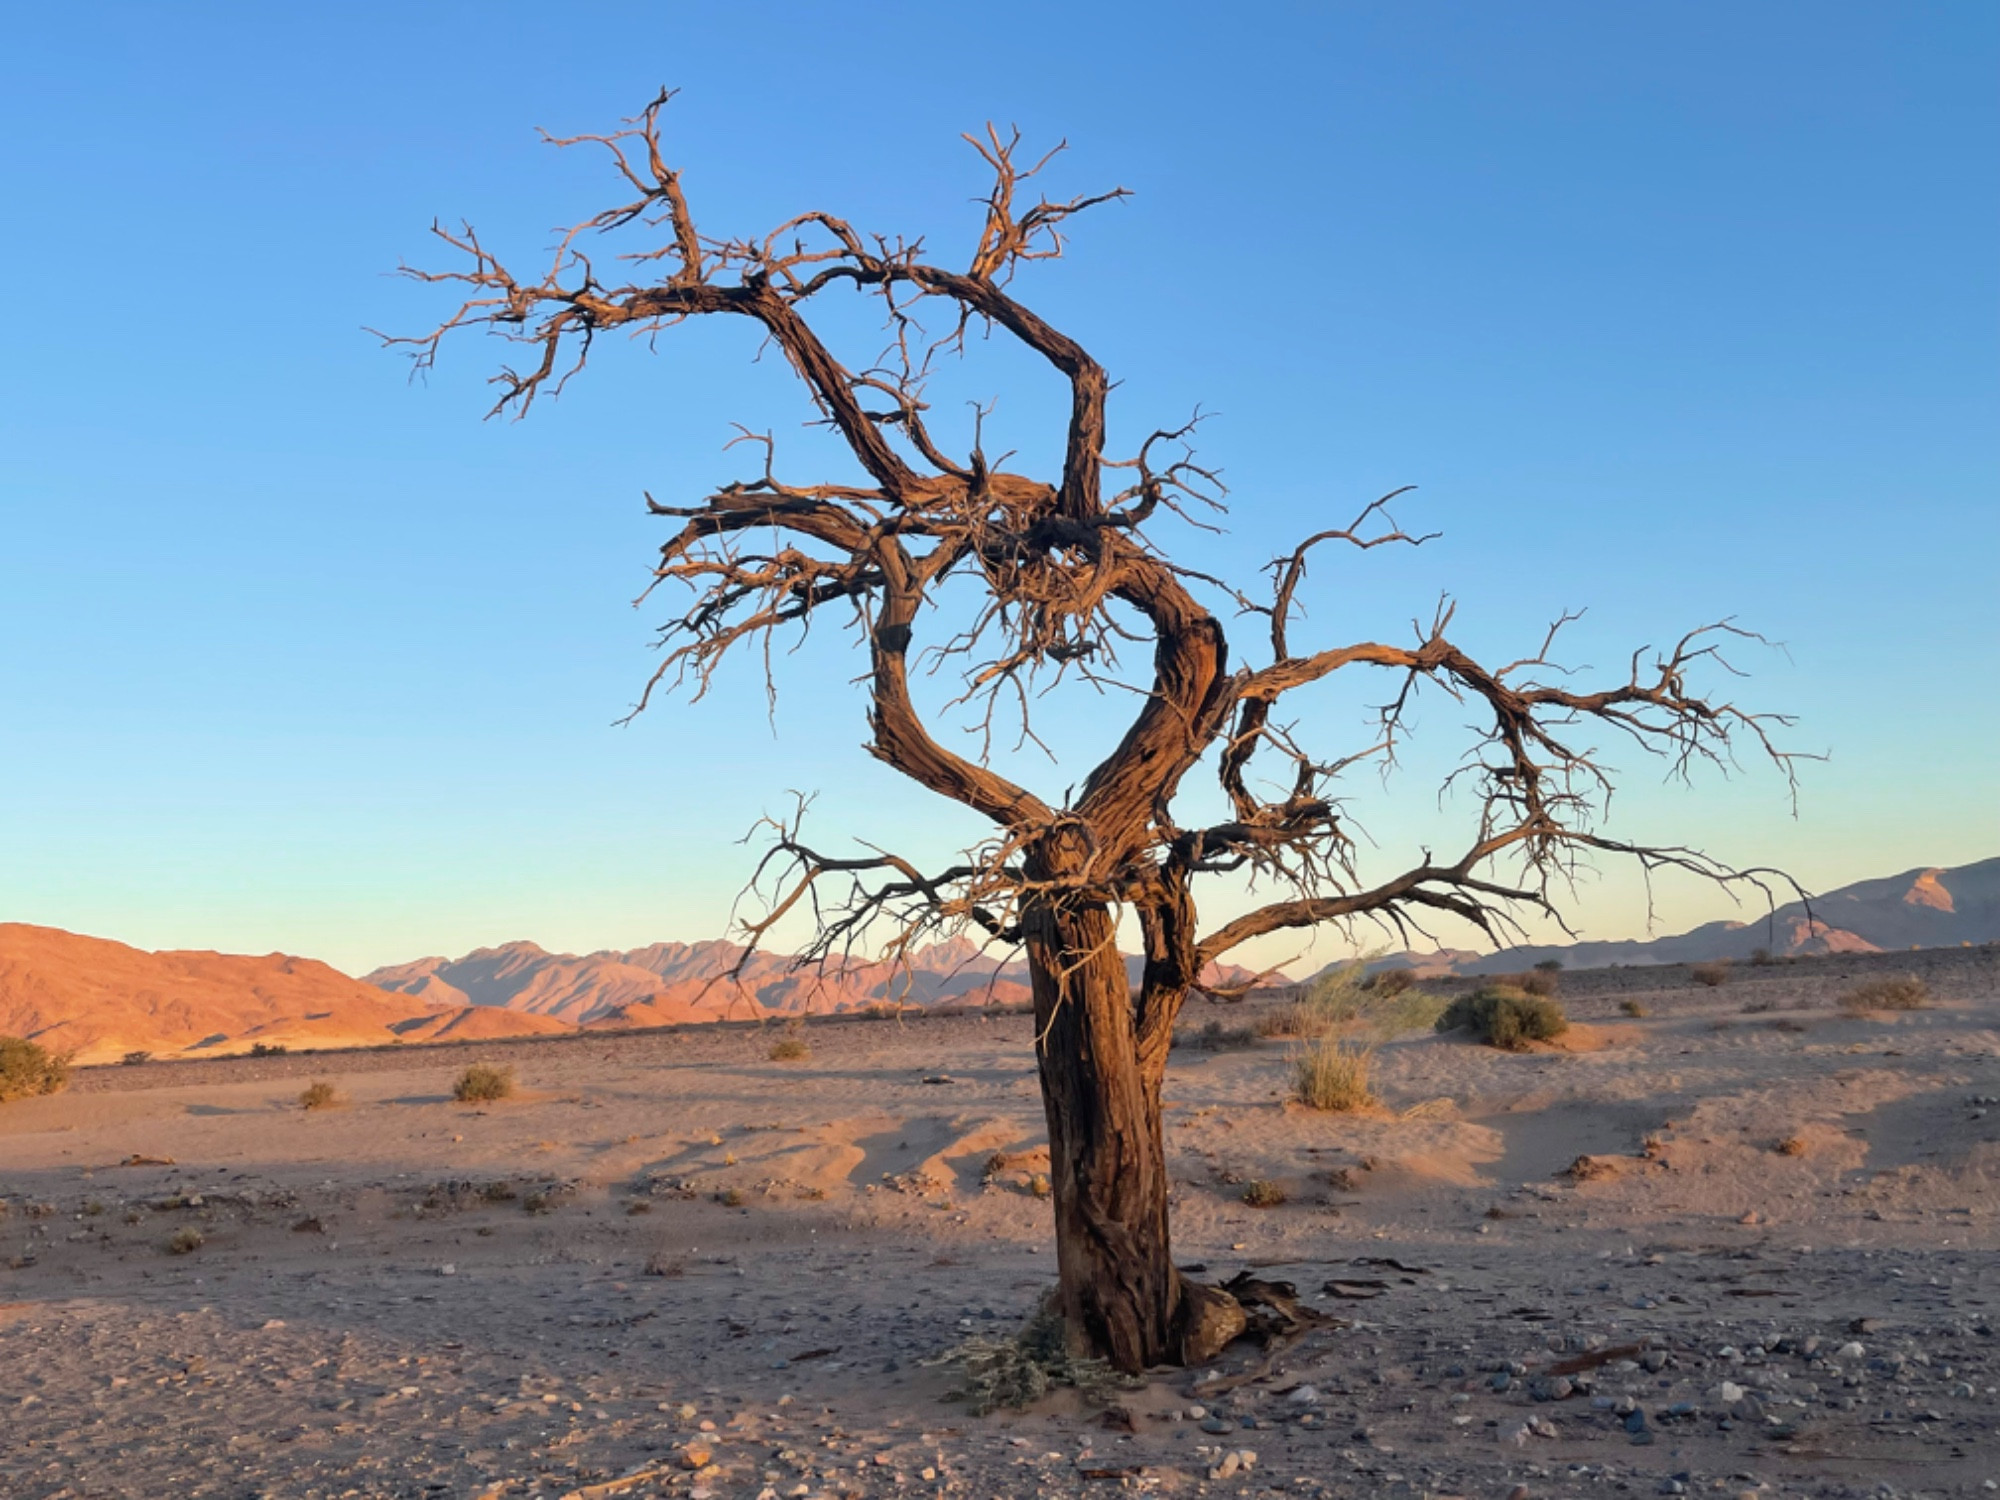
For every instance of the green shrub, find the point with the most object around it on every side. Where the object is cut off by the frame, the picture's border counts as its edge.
(1505, 1016)
(1262, 1194)
(481, 1083)
(27, 1069)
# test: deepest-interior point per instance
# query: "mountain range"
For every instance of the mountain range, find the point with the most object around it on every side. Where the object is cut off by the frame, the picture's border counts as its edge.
(100, 1000)
(1931, 907)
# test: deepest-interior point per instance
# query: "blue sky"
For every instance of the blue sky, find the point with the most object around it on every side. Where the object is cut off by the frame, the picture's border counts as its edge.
(1671, 311)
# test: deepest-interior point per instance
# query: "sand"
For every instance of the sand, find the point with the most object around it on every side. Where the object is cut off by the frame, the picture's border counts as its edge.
(672, 1261)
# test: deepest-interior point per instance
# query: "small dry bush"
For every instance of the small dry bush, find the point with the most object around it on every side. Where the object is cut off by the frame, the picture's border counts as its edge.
(1215, 1037)
(1262, 1194)
(1904, 992)
(1019, 1371)
(319, 1095)
(1550, 966)
(482, 1083)
(28, 1069)
(267, 1049)
(1791, 1145)
(186, 1240)
(790, 1049)
(1505, 1016)
(1388, 982)
(1714, 976)
(1631, 1008)
(133, 1059)
(1760, 958)
(1540, 982)
(1333, 1076)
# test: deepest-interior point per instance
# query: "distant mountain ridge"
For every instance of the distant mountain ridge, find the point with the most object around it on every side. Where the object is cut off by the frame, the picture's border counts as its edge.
(1928, 907)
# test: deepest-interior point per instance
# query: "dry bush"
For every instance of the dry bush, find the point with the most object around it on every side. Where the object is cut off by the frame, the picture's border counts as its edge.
(1333, 1076)
(1632, 1008)
(1903, 992)
(28, 1069)
(1345, 999)
(1712, 975)
(1786, 1023)
(185, 1240)
(1791, 1145)
(482, 1083)
(1262, 1194)
(268, 1049)
(1215, 1037)
(790, 1049)
(1550, 966)
(1019, 1371)
(1504, 1016)
(1760, 958)
(1538, 981)
(1388, 982)
(318, 1095)
(133, 1059)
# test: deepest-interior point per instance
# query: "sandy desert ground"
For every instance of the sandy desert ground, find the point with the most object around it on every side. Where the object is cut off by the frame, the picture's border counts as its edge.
(670, 1265)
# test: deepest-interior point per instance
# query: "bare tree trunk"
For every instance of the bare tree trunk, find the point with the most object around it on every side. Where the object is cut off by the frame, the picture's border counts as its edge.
(1107, 1160)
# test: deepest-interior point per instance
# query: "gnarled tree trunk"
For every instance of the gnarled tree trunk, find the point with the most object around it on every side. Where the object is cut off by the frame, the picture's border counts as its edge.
(1107, 1158)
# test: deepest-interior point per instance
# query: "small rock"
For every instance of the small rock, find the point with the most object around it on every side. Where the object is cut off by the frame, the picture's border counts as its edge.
(1217, 1425)
(447, 1269)
(1305, 1395)
(1501, 1381)
(1850, 1351)
(1653, 1361)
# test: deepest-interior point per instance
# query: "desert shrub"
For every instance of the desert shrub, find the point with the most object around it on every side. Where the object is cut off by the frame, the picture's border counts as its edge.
(1388, 981)
(133, 1059)
(1631, 1008)
(1903, 992)
(1712, 975)
(267, 1049)
(1550, 966)
(1039, 1185)
(1333, 1075)
(1215, 1037)
(1791, 1145)
(318, 1095)
(1760, 958)
(1262, 1194)
(185, 1240)
(28, 1068)
(790, 1049)
(1505, 1016)
(482, 1083)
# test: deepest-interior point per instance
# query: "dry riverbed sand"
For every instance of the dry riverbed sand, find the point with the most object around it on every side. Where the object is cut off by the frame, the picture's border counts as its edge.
(672, 1266)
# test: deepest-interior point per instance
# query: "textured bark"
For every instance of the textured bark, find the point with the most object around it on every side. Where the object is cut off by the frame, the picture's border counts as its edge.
(1107, 1157)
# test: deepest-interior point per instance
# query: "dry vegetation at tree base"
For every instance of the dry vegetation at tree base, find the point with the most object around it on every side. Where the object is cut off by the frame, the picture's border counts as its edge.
(483, 1083)
(27, 1069)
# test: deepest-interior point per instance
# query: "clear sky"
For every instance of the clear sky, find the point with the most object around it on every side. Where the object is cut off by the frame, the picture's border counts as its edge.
(1673, 311)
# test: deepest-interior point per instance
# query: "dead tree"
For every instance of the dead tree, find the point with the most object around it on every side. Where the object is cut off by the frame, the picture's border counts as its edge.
(1064, 570)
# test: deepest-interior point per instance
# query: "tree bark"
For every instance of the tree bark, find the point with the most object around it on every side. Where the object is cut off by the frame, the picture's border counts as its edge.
(1121, 1295)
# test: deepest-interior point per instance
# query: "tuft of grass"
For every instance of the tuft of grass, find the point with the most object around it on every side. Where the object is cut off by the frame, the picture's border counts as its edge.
(1631, 1008)
(730, 1197)
(1714, 975)
(1384, 1004)
(481, 1083)
(1505, 1016)
(1388, 982)
(28, 1068)
(1904, 992)
(1262, 1194)
(318, 1095)
(185, 1241)
(790, 1049)
(1333, 1075)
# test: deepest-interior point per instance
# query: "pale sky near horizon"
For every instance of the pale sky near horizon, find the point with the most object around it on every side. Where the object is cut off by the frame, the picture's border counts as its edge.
(1671, 312)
